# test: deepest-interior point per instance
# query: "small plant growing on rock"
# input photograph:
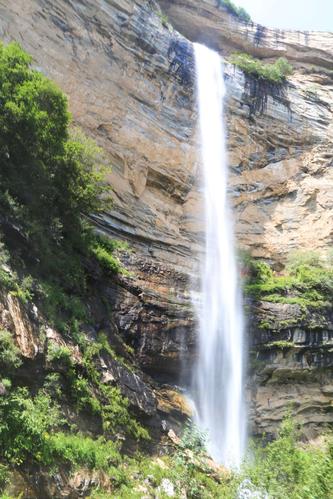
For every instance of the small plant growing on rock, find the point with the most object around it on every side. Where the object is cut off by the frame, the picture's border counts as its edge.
(9, 352)
(59, 354)
(273, 73)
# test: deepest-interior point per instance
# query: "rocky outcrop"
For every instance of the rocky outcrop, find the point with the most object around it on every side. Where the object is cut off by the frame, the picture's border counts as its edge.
(21, 323)
(291, 365)
(130, 81)
(34, 336)
(203, 22)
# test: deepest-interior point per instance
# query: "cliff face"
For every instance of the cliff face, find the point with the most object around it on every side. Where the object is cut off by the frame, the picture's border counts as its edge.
(280, 159)
(130, 82)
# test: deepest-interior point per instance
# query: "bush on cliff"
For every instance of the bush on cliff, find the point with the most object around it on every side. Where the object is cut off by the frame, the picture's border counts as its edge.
(238, 12)
(51, 176)
(307, 281)
(274, 73)
(29, 432)
(9, 352)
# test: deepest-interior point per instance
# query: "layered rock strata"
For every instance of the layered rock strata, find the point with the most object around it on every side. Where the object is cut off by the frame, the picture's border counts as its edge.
(130, 81)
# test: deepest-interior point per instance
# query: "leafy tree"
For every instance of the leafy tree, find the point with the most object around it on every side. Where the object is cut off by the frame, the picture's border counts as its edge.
(50, 175)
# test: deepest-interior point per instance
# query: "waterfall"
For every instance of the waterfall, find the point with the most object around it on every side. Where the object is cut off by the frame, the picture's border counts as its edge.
(219, 371)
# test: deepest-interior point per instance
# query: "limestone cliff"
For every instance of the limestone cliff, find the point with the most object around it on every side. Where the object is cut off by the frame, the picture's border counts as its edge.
(130, 81)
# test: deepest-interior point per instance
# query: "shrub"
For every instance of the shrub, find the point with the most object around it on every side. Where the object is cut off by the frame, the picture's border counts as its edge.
(116, 415)
(283, 468)
(107, 261)
(53, 385)
(238, 12)
(27, 434)
(80, 450)
(193, 438)
(103, 248)
(9, 352)
(59, 354)
(60, 307)
(112, 405)
(24, 423)
(7, 279)
(4, 476)
(23, 290)
(274, 73)
(83, 394)
(299, 258)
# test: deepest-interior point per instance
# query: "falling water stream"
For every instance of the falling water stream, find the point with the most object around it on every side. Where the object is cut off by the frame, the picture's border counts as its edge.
(219, 370)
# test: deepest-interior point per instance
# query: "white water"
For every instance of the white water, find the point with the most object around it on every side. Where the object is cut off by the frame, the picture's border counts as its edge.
(219, 371)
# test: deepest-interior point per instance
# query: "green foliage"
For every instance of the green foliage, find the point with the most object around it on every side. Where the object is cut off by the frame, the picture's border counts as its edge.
(51, 175)
(103, 249)
(80, 450)
(60, 354)
(61, 308)
(298, 259)
(112, 406)
(116, 415)
(4, 476)
(307, 281)
(9, 280)
(23, 290)
(107, 260)
(27, 432)
(283, 468)
(53, 385)
(6, 278)
(238, 12)
(282, 344)
(83, 394)
(274, 73)
(164, 19)
(24, 422)
(86, 389)
(193, 439)
(6, 383)
(9, 352)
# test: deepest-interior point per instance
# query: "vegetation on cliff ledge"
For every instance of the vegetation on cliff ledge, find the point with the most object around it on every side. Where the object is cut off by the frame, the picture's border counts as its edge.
(307, 280)
(274, 73)
(238, 12)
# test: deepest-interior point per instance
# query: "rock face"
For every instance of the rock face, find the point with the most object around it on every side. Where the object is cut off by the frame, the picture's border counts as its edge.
(203, 22)
(281, 159)
(122, 71)
(291, 365)
(130, 82)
